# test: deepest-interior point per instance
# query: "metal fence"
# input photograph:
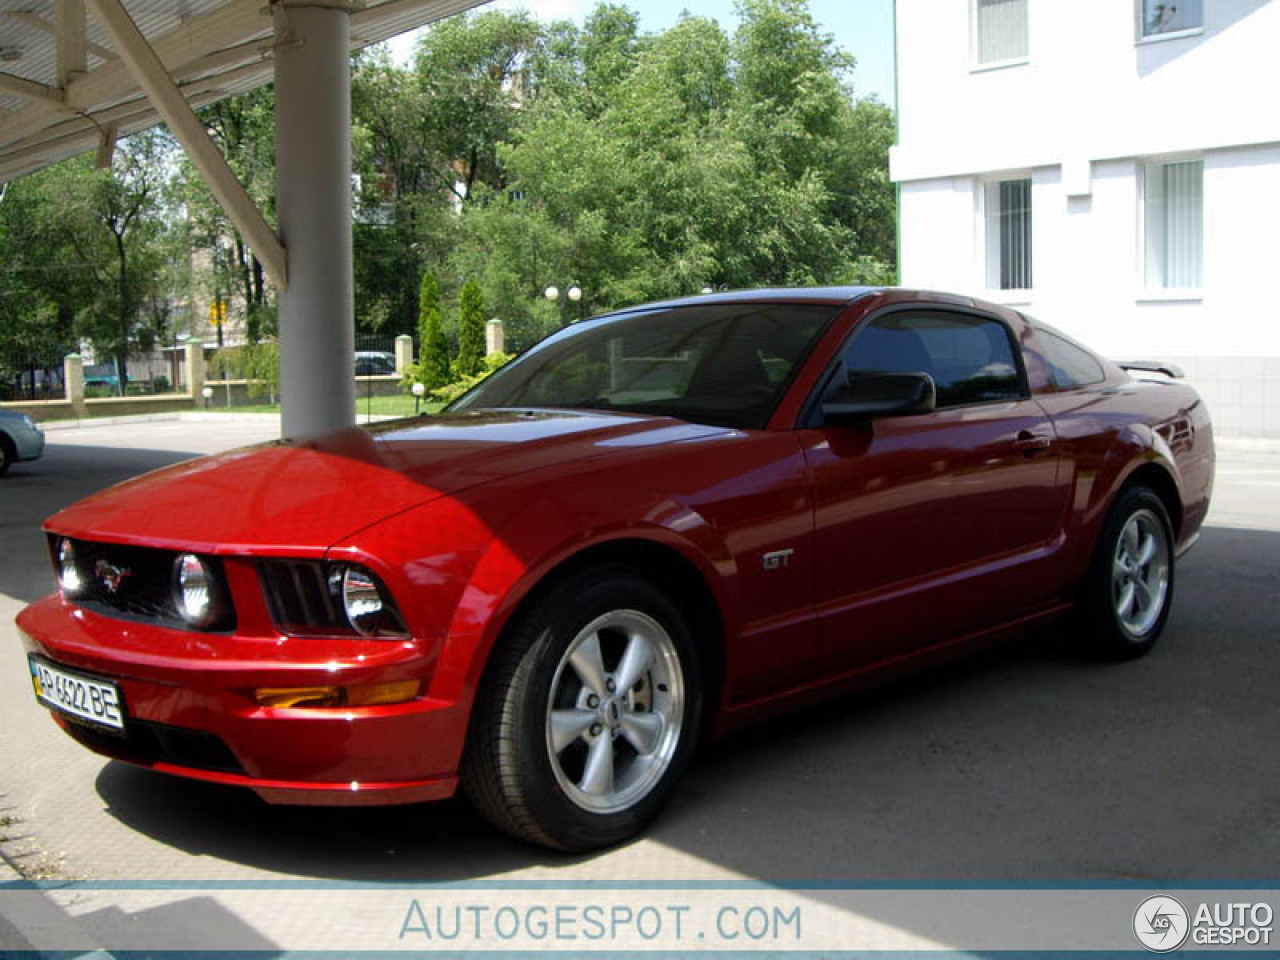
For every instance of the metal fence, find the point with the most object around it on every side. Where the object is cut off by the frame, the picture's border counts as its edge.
(29, 380)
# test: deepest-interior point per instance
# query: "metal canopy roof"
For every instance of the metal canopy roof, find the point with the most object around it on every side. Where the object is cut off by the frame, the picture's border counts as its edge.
(63, 89)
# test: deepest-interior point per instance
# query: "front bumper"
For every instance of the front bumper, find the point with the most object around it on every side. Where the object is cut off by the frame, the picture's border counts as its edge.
(28, 442)
(190, 709)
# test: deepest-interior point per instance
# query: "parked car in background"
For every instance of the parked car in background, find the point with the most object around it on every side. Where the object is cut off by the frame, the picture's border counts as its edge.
(20, 439)
(653, 526)
(375, 363)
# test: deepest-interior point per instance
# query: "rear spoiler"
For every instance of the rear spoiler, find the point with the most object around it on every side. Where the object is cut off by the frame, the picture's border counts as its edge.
(1152, 366)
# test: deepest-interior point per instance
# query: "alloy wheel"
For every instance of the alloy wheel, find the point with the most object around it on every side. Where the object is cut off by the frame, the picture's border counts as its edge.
(615, 712)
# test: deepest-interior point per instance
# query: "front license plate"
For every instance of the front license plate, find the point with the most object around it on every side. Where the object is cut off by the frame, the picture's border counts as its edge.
(75, 695)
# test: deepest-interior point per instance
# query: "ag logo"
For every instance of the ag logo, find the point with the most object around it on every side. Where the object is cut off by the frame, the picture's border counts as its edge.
(1161, 924)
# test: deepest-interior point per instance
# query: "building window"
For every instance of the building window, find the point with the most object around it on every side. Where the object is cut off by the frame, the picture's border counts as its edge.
(999, 31)
(1173, 208)
(1008, 212)
(1160, 17)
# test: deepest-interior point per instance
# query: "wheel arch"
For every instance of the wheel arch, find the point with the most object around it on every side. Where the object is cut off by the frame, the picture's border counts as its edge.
(668, 569)
(1160, 481)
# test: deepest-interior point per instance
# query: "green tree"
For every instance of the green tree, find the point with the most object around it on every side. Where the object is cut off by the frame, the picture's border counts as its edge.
(243, 126)
(115, 223)
(426, 144)
(37, 285)
(470, 329)
(737, 161)
(433, 348)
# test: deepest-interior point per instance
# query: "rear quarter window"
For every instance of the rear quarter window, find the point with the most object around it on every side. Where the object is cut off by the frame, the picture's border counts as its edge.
(1070, 366)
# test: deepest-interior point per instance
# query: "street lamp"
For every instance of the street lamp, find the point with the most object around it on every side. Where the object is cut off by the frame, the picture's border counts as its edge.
(574, 293)
(418, 391)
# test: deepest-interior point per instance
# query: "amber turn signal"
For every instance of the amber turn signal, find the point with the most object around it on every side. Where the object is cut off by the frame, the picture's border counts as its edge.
(369, 695)
(374, 694)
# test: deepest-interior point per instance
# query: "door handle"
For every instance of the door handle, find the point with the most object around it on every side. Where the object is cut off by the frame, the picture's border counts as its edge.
(1029, 442)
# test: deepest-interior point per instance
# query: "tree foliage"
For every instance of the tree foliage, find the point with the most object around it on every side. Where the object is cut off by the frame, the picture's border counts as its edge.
(433, 355)
(470, 329)
(635, 166)
(104, 248)
(510, 154)
(243, 127)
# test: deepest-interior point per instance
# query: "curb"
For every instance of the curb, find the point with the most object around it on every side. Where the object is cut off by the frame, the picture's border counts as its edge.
(197, 415)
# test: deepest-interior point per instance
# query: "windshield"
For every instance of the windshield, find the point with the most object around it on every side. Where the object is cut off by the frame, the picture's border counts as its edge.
(725, 365)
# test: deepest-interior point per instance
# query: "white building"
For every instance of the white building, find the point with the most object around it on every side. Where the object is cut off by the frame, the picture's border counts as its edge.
(1109, 166)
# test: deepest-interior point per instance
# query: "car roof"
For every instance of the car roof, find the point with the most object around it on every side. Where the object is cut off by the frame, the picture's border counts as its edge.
(835, 295)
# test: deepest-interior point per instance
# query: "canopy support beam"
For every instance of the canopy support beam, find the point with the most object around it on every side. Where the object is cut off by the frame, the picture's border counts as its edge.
(313, 202)
(142, 62)
(32, 90)
(71, 41)
(44, 26)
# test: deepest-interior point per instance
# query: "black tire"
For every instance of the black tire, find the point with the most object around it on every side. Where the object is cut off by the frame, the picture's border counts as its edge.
(1105, 631)
(511, 771)
(8, 456)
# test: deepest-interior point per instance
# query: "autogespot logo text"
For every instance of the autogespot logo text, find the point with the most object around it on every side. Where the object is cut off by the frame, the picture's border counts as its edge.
(1161, 924)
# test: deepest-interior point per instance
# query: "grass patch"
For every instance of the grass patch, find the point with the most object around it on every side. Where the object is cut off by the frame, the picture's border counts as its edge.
(400, 405)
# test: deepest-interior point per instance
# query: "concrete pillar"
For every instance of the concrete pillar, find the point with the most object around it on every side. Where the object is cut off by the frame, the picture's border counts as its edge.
(313, 203)
(495, 337)
(195, 372)
(404, 353)
(73, 379)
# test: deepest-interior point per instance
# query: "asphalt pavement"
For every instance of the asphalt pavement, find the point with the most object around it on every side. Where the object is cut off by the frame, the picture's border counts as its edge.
(1024, 765)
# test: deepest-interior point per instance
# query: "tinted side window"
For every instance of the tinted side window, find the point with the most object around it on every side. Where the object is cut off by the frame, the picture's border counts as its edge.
(1069, 365)
(970, 358)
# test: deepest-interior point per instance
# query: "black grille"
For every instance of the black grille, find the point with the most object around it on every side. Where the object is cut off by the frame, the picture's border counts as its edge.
(151, 743)
(298, 597)
(143, 583)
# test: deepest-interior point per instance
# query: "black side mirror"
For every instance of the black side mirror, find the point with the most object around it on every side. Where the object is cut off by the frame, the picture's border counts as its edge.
(870, 395)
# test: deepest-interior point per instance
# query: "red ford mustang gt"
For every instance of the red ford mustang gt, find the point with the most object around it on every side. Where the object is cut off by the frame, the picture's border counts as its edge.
(651, 527)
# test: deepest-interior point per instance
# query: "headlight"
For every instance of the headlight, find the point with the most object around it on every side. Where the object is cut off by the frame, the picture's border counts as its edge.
(69, 580)
(369, 611)
(30, 424)
(193, 590)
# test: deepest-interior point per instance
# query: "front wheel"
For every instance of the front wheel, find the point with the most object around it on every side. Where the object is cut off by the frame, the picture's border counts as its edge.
(588, 714)
(1130, 587)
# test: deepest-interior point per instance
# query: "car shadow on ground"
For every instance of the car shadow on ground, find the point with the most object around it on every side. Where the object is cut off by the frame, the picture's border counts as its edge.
(1025, 764)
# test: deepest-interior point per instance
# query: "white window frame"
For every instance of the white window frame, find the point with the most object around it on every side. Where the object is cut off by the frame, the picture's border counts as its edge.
(1142, 37)
(1013, 296)
(1153, 294)
(976, 65)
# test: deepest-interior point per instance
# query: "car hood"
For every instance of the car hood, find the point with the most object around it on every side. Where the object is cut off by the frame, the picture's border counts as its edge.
(291, 497)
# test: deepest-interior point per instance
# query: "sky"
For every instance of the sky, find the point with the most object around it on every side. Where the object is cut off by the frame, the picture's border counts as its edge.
(862, 27)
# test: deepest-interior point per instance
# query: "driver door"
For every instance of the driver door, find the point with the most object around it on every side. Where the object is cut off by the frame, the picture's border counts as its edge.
(932, 526)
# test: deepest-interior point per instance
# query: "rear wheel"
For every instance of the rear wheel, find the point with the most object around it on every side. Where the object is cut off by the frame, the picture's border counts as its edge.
(7, 454)
(1130, 587)
(588, 714)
